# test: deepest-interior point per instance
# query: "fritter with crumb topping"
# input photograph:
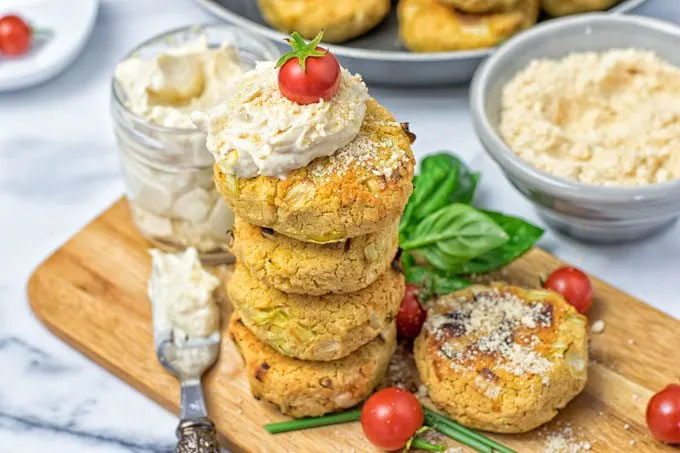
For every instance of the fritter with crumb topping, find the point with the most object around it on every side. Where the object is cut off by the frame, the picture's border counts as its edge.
(502, 358)
(305, 388)
(360, 189)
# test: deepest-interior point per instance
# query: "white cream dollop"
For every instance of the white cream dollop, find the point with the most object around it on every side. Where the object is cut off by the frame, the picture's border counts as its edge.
(182, 294)
(166, 89)
(258, 131)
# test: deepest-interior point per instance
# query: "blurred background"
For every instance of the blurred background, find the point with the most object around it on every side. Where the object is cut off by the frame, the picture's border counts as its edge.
(59, 169)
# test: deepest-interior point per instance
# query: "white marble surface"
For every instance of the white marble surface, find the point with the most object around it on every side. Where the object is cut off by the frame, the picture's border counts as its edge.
(58, 169)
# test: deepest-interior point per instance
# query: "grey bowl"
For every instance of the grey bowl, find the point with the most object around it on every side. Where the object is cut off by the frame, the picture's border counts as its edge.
(592, 213)
(378, 55)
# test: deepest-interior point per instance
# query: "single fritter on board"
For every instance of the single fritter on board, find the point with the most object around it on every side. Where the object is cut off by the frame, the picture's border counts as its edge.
(481, 6)
(339, 20)
(566, 7)
(432, 26)
(325, 327)
(502, 358)
(360, 189)
(304, 388)
(299, 267)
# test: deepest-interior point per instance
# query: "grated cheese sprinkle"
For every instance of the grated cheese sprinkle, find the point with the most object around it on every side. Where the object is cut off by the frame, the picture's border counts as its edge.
(490, 320)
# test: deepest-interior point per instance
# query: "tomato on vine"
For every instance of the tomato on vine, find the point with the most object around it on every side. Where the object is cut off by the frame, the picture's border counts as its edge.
(308, 73)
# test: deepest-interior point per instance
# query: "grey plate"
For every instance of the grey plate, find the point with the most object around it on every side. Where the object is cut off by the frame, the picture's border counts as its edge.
(378, 56)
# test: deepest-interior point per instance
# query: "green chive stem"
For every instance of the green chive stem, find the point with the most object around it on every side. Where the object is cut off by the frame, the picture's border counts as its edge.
(313, 422)
(432, 417)
(421, 444)
(461, 437)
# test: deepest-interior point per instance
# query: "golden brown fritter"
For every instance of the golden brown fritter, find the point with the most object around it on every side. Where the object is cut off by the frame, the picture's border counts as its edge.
(305, 389)
(566, 7)
(360, 189)
(502, 358)
(299, 267)
(340, 21)
(431, 26)
(325, 327)
(481, 6)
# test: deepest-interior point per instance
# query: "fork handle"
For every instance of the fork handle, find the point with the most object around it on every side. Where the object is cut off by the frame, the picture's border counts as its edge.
(197, 435)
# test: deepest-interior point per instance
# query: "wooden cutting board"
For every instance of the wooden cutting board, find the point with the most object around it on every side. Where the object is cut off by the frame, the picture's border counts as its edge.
(92, 294)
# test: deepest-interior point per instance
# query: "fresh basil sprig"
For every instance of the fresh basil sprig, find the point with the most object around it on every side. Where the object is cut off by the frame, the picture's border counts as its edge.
(450, 237)
(454, 234)
(433, 282)
(522, 236)
(443, 179)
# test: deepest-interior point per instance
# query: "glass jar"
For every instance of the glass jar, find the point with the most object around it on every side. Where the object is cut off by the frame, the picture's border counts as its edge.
(168, 171)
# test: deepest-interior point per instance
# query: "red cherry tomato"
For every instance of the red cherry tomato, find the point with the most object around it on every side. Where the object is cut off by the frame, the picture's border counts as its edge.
(574, 285)
(411, 314)
(390, 417)
(663, 414)
(308, 72)
(15, 35)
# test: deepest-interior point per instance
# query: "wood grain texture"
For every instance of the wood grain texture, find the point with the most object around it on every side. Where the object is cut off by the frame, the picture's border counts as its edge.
(92, 294)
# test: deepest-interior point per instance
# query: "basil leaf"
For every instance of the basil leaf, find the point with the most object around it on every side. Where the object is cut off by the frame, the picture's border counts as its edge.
(454, 234)
(466, 181)
(443, 179)
(522, 236)
(435, 282)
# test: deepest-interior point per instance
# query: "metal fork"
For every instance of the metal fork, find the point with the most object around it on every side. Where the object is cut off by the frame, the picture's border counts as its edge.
(188, 359)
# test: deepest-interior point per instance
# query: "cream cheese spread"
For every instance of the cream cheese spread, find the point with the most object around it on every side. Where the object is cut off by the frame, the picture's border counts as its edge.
(257, 131)
(166, 89)
(169, 173)
(182, 294)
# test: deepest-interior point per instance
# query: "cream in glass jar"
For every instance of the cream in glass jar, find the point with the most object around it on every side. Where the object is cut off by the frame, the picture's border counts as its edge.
(166, 167)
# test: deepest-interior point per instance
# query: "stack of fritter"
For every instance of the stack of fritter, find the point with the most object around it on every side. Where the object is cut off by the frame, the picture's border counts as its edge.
(315, 289)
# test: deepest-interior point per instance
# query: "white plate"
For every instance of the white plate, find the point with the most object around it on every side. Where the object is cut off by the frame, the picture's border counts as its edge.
(71, 23)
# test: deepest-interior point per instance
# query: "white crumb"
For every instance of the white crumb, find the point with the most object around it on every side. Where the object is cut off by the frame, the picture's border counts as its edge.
(597, 327)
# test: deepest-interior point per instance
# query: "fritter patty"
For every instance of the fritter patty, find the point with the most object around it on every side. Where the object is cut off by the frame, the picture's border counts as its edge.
(299, 267)
(340, 21)
(360, 189)
(431, 26)
(325, 327)
(481, 6)
(502, 358)
(304, 388)
(566, 7)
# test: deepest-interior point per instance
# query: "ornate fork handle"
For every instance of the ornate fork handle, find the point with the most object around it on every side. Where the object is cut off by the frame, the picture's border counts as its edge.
(197, 435)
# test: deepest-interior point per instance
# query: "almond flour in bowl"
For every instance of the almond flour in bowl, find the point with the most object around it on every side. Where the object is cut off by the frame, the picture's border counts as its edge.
(610, 118)
(607, 204)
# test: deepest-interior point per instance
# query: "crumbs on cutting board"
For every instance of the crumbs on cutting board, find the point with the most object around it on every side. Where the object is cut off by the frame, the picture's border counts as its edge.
(597, 327)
